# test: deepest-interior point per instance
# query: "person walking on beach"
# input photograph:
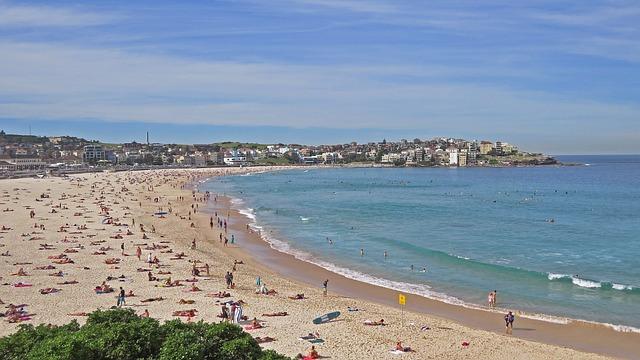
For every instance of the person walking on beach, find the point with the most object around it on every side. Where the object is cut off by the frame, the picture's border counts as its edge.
(138, 252)
(508, 320)
(227, 279)
(122, 248)
(324, 286)
(121, 297)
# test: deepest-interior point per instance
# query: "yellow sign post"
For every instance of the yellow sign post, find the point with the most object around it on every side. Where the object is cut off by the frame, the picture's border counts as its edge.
(402, 300)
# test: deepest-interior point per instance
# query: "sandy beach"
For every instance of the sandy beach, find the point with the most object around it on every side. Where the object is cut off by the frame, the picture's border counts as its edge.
(63, 237)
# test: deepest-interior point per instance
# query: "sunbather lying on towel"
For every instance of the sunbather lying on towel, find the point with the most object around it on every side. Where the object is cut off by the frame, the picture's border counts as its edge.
(48, 291)
(282, 313)
(375, 323)
(160, 298)
(185, 313)
(265, 339)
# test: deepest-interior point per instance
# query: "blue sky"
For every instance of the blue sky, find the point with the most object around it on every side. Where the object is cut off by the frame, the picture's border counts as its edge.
(553, 76)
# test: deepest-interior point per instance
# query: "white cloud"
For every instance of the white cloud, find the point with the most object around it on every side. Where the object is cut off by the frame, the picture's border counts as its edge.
(49, 16)
(362, 6)
(58, 82)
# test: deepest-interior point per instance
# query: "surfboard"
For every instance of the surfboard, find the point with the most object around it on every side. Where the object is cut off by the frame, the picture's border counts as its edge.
(326, 317)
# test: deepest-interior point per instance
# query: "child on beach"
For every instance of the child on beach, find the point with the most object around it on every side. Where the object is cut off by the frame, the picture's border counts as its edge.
(508, 319)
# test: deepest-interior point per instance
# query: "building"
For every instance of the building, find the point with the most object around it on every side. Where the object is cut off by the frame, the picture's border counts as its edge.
(453, 156)
(419, 155)
(24, 163)
(214, 158)
(6, 166)
(486, 147)
(472, 154)
(93, 154)
(199, 160)
(499, 148)
(507, 148)
(234, 158)
(462, 158)
(390, 158)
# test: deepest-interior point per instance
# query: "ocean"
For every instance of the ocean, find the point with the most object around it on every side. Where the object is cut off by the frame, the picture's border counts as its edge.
(558, 242)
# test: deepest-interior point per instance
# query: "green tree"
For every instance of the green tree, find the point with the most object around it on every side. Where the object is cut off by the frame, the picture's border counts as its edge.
(121, 334)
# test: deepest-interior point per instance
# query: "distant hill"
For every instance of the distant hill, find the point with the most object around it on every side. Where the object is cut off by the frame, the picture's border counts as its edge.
(33, 139)
(23, 139)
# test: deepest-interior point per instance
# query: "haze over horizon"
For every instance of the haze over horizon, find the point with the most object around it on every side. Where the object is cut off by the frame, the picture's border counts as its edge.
(554, 77)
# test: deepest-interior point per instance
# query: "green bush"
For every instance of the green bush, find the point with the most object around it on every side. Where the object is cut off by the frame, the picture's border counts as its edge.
(121, 334)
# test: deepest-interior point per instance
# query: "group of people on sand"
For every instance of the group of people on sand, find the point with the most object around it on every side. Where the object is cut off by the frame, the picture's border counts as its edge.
(232, 311)
(16, 313)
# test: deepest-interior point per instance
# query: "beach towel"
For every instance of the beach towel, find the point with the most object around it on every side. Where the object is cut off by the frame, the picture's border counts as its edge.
(396, 352)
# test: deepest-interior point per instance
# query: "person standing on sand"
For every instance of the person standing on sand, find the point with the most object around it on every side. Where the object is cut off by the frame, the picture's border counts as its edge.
(508, 320)
(324, 286)
(122, 248)
(121, 297)
(138, 252)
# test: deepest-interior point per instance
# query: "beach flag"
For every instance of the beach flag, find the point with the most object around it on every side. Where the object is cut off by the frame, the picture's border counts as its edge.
(402, 300)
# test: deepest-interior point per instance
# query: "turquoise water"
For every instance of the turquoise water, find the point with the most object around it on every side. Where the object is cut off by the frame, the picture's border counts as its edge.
(562, 241)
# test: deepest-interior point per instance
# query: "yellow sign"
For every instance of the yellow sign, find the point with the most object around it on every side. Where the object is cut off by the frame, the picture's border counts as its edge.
(402, 300)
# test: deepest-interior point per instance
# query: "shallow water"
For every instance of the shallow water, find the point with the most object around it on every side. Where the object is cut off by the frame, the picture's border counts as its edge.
(553, 240)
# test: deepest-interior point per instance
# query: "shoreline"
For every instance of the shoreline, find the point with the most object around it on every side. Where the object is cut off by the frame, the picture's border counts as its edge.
(566, 332)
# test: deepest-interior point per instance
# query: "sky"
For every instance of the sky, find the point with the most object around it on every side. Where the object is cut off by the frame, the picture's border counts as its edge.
(561, 77)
